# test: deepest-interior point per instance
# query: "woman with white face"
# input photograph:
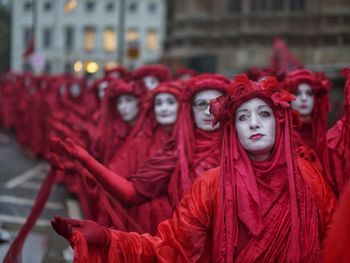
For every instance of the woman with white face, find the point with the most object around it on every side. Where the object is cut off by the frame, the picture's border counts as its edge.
(260, 196)
(311, 92)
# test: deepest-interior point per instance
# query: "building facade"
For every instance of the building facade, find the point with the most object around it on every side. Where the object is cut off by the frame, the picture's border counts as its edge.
(79, 35)
(230, 36)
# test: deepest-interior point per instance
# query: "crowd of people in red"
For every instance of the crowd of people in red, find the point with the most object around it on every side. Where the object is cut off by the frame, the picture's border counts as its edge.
(188, 168)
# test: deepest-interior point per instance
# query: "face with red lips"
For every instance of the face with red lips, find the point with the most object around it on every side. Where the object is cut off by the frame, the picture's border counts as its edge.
(304, 100)
(256, 126)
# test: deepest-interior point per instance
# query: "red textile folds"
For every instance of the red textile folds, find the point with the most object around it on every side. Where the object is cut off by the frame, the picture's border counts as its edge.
(256, 197)
(316, 128)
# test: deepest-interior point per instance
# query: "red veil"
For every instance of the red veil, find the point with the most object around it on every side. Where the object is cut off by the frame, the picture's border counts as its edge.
(267, 211)
(314, 132)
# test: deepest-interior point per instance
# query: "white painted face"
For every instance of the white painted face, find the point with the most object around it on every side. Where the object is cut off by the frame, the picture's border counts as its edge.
(200, 106)
(75, 90)
(150, 82)
(102, 89)
(304, 100)
(166, 108)
(256, 127)
(186, 77)
(128, 107)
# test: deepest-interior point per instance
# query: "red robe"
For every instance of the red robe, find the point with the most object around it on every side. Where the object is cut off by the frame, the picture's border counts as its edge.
(189, 235)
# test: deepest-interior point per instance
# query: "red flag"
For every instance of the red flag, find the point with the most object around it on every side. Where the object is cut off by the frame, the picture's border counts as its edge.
(30, 48)
(282, 60)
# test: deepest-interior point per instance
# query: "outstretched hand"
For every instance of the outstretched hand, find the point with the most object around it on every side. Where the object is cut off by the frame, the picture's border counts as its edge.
(67, 147)
(94, 234)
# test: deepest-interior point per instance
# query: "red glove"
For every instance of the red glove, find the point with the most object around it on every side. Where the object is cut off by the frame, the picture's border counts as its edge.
(94, 234)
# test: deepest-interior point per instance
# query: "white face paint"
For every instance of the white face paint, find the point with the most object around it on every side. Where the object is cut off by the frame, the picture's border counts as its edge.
(304, 100)
(102, 89)
(128, 107)
(150, 82)
(165, 108)
(200, 106)
(256, 127)
(75, 90)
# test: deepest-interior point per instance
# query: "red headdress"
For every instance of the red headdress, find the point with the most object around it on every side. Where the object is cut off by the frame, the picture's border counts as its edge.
(118, 72)
(320, 87)
(268, 198)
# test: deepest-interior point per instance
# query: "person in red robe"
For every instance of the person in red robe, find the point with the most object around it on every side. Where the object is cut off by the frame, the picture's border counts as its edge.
(170, 172)
(312, 102)
(336, 151)
(262, 204)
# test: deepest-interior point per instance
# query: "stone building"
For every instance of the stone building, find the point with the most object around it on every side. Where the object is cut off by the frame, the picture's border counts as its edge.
(229, 36)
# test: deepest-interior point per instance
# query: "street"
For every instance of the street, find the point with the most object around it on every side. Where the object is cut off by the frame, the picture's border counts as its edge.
(21, 175)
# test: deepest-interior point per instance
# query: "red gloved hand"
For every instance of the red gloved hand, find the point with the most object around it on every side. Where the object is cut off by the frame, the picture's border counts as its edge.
(67, 147)
(94, 234)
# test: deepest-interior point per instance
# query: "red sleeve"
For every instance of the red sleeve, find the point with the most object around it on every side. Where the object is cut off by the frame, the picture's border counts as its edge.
(183, 238)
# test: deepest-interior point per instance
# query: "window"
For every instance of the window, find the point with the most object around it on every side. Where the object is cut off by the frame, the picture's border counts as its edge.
(152, 40)
(110, 7)
(89, 38)
(47, 37)
(89, 6)
(132, 35)
(27, 6)
(69, 38)
(234, 6)
(258, 5)
(109, 40)
(297, 5)
(277, 5)
(133, 7)
(27, 34)
(152, 8)
(47, 6)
